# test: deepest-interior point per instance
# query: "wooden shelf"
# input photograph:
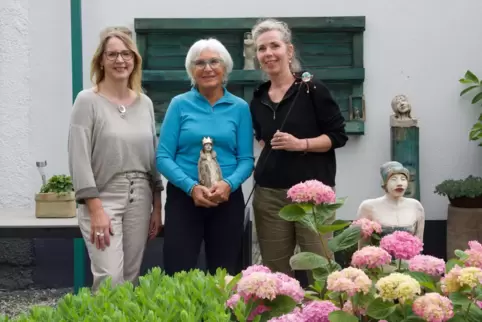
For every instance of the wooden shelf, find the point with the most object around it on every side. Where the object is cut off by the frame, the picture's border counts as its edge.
(255, 76)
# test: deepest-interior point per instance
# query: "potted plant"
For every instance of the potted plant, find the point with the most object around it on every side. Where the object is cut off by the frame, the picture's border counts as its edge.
(463, 193)
(56, 198)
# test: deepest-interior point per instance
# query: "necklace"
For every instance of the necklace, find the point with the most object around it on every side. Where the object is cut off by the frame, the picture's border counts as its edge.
(122, 110)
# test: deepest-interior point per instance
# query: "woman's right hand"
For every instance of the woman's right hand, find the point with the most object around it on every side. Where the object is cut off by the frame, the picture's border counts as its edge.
(100, 228)
(201, 195)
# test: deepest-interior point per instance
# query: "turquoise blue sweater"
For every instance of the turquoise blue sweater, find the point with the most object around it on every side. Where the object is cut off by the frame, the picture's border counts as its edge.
(188, 119)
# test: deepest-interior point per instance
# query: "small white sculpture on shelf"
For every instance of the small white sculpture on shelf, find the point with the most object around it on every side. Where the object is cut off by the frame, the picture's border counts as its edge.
(249, 52)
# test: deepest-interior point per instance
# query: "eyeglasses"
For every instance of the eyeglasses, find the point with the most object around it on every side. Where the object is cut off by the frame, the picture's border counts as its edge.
(125, 54)
(213, 63)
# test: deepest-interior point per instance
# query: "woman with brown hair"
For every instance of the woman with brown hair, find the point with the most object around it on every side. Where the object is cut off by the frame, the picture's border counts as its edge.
(112, 142)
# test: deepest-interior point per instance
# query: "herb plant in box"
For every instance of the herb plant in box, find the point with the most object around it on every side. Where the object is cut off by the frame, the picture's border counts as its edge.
(464, 193)
(56, 198)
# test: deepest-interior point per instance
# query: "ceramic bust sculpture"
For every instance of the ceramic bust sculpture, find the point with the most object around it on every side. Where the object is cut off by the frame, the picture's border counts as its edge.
(208, 167)
(393, 211)
(249, 52)
(402, 110)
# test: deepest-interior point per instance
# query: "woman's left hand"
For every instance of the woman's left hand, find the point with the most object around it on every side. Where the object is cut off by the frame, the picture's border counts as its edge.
(286, 141)
(155, 225)
(220, 192)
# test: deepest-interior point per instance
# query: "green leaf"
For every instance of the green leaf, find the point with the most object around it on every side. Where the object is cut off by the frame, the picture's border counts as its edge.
(474, 314)
(413, 319)
(451, 264)
(468, 89)
(423, 279)
(460, 254)
(282, 304)
(307, 261)
(471, 77)
(458, 317)
(292, 212)
(346, 239)
(380, 309)
(341, 316)
(465, 81)
(458, 298)
(477, 98)
(336, 225)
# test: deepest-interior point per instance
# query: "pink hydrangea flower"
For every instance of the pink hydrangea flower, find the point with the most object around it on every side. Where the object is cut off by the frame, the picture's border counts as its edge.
(294, 316)
(368, 227)
(290, 287)
(312, 191)
(348, 308)
(255, 268)
(433, 307)
(370, 257)
(427, 264)
(350, 280)
(259, 283)
(475, 254)
(318, 311)
(402, 245)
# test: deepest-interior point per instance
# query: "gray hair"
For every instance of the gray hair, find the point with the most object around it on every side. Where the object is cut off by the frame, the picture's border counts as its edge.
(210, 44)
(272, 24)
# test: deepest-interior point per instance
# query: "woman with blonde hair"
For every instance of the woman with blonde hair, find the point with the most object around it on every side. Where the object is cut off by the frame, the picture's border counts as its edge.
(112, 142)
(299, 125)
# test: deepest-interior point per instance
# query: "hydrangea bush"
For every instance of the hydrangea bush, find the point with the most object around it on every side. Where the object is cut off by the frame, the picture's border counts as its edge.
(389, 279)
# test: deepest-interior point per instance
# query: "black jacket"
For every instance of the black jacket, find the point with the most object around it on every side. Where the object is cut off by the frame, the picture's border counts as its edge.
(313, 113)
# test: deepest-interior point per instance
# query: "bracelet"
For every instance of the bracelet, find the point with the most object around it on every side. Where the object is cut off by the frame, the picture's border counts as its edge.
(307, 145)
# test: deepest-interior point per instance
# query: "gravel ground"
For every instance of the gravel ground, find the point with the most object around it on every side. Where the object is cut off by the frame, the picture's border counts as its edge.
(13, 303)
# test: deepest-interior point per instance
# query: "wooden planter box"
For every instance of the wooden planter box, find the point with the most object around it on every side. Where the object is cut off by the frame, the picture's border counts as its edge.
(463, 225)
(52, 205)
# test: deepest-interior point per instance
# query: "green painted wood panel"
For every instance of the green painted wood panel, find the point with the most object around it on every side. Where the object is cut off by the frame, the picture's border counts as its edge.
(405, 149)
(329, 47)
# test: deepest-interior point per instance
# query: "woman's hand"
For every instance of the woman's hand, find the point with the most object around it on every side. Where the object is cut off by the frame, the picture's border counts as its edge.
(201, 196)
(220, 192)
(155, 225)
(100, 228)
(286, 141)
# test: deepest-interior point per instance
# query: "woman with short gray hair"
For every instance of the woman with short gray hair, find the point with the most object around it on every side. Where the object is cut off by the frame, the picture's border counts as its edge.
(196, 210)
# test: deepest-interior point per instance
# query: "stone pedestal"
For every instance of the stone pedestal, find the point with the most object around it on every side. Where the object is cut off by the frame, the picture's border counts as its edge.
(463, 225)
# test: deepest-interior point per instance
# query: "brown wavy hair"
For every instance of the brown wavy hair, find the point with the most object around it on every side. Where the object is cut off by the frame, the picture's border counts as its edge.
(97, 74)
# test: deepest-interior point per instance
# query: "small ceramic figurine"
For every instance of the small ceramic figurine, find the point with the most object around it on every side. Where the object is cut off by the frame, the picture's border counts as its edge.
(402, 110)
(249, 52)
(209, 170)
(393, 211)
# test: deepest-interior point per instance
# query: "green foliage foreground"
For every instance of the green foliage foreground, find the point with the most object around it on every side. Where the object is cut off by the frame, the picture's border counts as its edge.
(186, 297)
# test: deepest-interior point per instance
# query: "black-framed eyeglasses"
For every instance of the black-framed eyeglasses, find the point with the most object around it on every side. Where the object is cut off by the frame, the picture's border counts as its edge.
(202, 63)
(125, 54)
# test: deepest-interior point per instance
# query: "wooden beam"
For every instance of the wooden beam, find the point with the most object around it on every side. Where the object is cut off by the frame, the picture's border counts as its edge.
(349, 23)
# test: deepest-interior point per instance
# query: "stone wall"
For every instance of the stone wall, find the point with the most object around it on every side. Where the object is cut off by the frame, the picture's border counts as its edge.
(16, 256)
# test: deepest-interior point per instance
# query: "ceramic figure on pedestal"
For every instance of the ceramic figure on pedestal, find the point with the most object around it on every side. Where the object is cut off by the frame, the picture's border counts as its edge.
(393, 211)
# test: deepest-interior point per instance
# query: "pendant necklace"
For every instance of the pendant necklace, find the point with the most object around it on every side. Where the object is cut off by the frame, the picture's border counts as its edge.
(122, 110)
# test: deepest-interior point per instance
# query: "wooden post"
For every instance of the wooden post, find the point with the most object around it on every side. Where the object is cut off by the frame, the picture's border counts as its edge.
(77, 86)
(404, 132)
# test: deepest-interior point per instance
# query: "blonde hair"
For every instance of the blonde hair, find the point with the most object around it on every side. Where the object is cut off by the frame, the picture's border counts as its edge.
(123, 29)
(272, 24)
(97, 73)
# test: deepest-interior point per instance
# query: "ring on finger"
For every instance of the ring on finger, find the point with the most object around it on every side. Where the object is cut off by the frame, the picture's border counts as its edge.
(97, 233)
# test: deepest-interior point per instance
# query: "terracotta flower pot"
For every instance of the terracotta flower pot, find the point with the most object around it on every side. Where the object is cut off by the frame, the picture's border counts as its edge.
(52, 205)
(465, 202)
